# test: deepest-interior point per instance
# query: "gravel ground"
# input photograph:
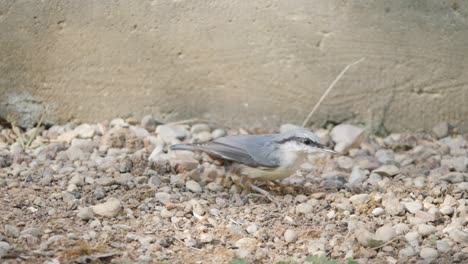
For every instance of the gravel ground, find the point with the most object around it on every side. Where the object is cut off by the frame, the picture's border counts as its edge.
(111, 192)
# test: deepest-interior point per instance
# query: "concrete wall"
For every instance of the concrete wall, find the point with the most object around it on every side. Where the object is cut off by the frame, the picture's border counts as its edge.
(248, 63)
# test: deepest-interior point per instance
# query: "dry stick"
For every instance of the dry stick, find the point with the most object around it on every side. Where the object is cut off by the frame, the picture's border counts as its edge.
(329, 89)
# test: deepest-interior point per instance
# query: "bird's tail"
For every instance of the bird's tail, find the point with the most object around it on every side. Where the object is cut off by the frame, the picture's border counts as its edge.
(189, 147)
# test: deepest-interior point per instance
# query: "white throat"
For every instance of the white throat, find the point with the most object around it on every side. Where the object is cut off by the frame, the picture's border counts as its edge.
(292, 155)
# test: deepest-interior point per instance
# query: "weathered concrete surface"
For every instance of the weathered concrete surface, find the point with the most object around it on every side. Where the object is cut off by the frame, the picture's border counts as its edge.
(240, 62)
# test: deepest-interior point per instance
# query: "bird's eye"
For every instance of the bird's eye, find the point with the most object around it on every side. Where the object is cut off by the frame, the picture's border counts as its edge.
(308, 142)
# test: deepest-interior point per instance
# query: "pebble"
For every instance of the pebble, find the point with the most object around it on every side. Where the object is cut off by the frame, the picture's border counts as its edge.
(412, 207)
(99, 193)
(290, 235)
(406, 252)
(170, 133)
(197, 207)
(77, 179)
(163, 197)
(111, 208)
(85, 213)
(387, 170)
(443, 246)
(385, 233)
(385, 156)
(4, 248)
(428, 253)
(304, 208)
(214, 187)
(85, 131)
(359, 199)
(378, 211)
(441, 130)
(245, 246)
(12, 231)
(193, 186)
(217, 133)
(199, 128)
(149, 123)
(166, 213)
(203, 137)
(357, 177)
(426, 230)
(392, 205)
(345, 135)
(252, 228)
(401, 228)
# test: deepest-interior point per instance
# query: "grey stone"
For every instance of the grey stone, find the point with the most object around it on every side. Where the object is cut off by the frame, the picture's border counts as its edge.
(441, 130)
(193, 186)
(387, 170)
(217, 133)
(345, 135)
(426, 230)
(428, 253)
(304, 208)
(85, 131)
(412, 207)
(85, 213)
(357, 177)
(245, 246)
(385, 233)
(378, 211)
(4, 248)
(202, 137)
(11, 231)
(443, 246)
(166, 213)
(163, 197)
(392, 205)
(148, 123)
(252, 228)
(290, 235)
(359, 199)
(385, 155)
(110, 208)
(99, 193)
(170, 133)
(406, 252)
(198, 128)
(214, 187)
(77, 180)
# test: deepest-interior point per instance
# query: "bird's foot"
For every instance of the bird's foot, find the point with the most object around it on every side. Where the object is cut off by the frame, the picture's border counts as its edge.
(261, 192)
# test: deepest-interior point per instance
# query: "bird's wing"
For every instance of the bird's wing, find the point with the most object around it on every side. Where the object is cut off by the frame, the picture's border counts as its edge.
(234, 148)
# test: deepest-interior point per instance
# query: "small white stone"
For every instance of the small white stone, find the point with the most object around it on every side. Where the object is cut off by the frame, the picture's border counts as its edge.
(304, 208)
(193, 186)
(385, 233)
(345, 135)
(77, 180)
(428, 253)
(162, 197)
(447, 210)
(111, 208)
(217, 133)
(245, 246)
(198, 128)
(85, 131)
(413, 207)
(4, 248)
(425, 230)
(401, 228)
(252, 228)
(359, 199)
(166, 213)
(443, 246)
(290, 235)
(214, 187)
(406, 252)
(387, 170)
(378, 211)
(85, 213)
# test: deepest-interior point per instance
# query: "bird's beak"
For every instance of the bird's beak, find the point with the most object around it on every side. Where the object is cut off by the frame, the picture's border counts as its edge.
(329, 150)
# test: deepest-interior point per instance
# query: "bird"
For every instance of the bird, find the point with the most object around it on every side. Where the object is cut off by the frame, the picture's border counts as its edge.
(264, 157)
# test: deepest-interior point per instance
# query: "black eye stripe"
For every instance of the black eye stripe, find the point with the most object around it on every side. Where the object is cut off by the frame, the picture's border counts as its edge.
(302, 140)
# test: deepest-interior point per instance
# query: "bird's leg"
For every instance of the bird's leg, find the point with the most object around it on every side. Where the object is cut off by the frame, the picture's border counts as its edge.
(247, 184)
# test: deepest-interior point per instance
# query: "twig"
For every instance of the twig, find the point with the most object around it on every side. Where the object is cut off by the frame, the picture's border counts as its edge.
(36, 131)
(329, 89)
(388, 242)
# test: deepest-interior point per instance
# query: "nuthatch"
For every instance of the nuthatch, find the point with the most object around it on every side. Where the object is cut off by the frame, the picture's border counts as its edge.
(266, 157)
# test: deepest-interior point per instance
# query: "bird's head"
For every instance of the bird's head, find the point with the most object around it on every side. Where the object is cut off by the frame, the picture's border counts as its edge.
(302, 140)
